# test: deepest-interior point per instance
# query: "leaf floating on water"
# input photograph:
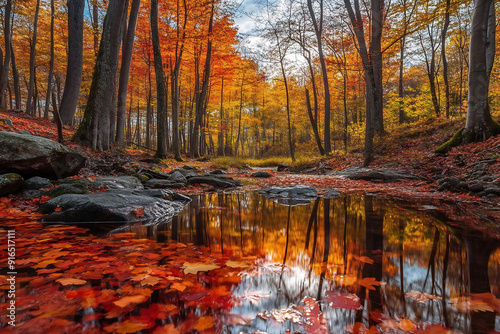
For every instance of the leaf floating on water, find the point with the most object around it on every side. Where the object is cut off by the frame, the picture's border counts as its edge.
(178, 286)
(364, 259)
(357, 328)
(126, 327)
(369, 283)
(204, 323)
(71, 281)
(237, 264)
(255, 297)
(342, 300)
(150, 280)
(129, 300)
(287, 314)
(421, 297)
(167, 329)
(407, 325)
(345, 280)
(466, 304)
(194, 268)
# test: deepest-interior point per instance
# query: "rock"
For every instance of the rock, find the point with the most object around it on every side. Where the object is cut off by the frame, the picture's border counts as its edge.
(113, 206)
(218, 172)
(186, 173)
(64, 189)
(282, 167)
(261, 174)
(246, 167)
(30, 194)
(24, 132)
(476, 187)
(37, 183)
(331, 193)
(117, 182)
(7, 121)
(463, 185)
(189, 167)
(454, 181)
(163, 184)
(295, 195)
(10, 183)
(376, 175)
(178, 177)
(217, 182)
(37, 156)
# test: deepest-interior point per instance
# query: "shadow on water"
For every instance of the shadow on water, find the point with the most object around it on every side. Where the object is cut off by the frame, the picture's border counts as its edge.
(332, 245)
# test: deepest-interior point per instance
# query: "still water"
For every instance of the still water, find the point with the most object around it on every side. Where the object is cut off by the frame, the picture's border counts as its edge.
(331, 247)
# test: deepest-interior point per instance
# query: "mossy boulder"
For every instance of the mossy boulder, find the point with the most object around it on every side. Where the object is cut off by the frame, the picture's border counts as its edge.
(37, 156)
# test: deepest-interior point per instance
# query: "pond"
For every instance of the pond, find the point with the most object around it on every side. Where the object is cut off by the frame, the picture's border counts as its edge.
(351, 262)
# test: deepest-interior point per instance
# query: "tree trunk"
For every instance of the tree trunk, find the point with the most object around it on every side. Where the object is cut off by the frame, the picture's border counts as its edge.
(161, 151)
(30, 107)
(74, 68)
(15, 75)
(443, 57)
(127, 50)
(239, 117)
(372, 66)
(318, 28)
(480, 124)
(200, 103)
(51, 65)
(95, 127)
(313, 123)
(95, 26)
(4, 74)
(220, 140)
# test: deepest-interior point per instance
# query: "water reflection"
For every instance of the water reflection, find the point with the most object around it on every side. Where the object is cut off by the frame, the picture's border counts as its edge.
(329, 245)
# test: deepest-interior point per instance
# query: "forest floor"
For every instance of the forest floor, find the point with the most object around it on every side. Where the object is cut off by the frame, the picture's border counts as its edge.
(410, 150)
(70, 280)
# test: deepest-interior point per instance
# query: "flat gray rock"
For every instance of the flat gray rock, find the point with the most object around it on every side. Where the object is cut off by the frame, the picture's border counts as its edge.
(114, 206)
(163, 184)
(37, 183)
(376, 175)
(29, 155)
(117, 182)
(291, 195)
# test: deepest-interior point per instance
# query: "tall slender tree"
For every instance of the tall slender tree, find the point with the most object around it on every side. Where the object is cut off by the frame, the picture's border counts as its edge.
(4, 74)
(51, 62)
(31, 102)
(74, 68)
(161, 151)
(372, 65)
(127, 49)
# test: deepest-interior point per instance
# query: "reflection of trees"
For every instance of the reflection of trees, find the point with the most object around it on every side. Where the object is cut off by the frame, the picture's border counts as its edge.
(374, 239)
(323, 238)
(478, 254)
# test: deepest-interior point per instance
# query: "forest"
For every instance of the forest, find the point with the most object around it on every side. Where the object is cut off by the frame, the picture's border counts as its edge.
(296, 84)
(249, 166)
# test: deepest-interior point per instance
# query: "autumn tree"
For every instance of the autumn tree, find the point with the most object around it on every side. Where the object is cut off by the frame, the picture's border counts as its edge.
(4, 73)
(127, 49)
(480, 124)
(95, 127)
(372, 64)
(74, 66)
